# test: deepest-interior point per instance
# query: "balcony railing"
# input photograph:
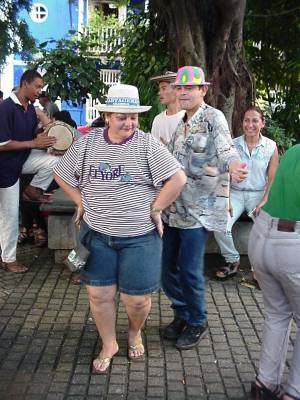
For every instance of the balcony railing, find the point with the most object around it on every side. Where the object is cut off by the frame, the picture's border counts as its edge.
(109, 77)
(104, 40)
(91, 112)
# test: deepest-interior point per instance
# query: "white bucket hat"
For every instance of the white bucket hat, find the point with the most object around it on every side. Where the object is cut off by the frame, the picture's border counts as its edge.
(122, 99)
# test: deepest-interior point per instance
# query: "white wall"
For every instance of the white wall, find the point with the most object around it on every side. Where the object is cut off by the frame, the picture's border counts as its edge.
(7, 77)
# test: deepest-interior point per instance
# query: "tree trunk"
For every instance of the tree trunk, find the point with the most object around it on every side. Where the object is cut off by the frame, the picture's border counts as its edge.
(210, 34)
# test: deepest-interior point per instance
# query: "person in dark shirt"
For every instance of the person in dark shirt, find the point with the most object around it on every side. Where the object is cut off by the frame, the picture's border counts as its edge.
(21, 151)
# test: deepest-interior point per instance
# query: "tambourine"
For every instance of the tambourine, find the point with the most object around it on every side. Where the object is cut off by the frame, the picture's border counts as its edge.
(64, 137)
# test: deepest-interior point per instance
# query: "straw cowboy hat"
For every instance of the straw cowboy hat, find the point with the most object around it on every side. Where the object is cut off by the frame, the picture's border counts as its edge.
(122, 99)
(168, 76)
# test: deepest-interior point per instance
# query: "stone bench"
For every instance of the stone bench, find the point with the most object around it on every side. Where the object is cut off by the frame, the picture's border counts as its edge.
(61, 231)
(240, 232)
(61, 228)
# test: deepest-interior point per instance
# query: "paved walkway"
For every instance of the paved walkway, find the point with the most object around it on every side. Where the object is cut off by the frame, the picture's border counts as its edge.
(48, 340)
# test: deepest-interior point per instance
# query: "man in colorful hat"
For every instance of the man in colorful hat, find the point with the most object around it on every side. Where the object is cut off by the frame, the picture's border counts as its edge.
(202, 144)
(165, 123)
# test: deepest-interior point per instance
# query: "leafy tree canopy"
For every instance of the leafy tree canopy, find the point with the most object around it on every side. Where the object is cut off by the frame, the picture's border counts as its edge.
(143, 56)
(71, 70)
(97, 20)
(271, 40)
(272, 32)
(14, 33)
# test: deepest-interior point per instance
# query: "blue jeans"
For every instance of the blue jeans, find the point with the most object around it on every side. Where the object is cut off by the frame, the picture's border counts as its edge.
(182, 273)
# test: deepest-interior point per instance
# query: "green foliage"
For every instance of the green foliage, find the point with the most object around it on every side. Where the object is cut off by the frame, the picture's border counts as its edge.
(272, 34)
(121, 2)
(14, 34)
(274, 130)
(143, 56)
(72, 73)
(98, 20)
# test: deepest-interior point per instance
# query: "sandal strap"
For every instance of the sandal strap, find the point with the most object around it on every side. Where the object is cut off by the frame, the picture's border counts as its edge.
(138, 346)
(14, 267)
(103, 360)
(277, 392)
(224, 269)
(227, 271)
(229, 267)
(40, 236)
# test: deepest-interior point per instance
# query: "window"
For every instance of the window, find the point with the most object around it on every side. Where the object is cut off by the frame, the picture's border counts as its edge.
(39, 13)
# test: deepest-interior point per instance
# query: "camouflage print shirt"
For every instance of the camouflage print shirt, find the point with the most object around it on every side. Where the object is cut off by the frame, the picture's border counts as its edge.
(204, 147)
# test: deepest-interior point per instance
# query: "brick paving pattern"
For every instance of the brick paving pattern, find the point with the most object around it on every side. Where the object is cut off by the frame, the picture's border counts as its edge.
(48, 341)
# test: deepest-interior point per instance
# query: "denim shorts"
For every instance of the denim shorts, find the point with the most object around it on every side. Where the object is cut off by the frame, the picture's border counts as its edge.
(132, 263)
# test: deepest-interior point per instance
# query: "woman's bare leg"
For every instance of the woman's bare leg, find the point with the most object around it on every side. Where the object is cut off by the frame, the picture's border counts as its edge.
(103, 307)
(137, 309)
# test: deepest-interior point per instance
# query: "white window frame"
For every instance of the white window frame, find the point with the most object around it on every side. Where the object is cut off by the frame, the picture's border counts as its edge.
(35, 13)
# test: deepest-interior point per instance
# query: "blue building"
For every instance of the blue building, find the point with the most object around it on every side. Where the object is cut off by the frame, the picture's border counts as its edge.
(53, 19)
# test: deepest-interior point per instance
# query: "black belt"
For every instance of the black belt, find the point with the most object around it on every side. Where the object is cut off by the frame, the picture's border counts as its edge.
(286, 225)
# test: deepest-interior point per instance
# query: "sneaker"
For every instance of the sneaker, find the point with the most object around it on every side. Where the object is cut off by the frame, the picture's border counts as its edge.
(191, 336)
(174, 329)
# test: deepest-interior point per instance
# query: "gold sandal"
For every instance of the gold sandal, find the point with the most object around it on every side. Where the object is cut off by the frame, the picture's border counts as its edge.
(105, 361)
(136, 347)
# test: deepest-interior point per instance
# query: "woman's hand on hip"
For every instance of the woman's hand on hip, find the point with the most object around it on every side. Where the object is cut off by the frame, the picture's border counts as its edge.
(79, 214)
(156, 218)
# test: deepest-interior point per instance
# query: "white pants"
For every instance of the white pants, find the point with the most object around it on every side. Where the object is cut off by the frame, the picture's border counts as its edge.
(39, 163)
(275, 257)
(240, 201)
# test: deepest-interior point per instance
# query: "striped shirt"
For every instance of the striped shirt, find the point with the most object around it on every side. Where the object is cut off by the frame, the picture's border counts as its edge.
(118, 182)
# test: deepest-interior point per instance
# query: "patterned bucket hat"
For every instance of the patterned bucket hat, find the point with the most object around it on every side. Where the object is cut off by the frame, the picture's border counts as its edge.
(190, 76)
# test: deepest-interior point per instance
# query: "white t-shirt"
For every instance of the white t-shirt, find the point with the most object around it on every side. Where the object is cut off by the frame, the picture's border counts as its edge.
(164, 125)
(118, 182)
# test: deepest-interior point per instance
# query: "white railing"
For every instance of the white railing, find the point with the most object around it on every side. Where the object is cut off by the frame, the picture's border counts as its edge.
(109, 77)
(91, 111)
(105, 40)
